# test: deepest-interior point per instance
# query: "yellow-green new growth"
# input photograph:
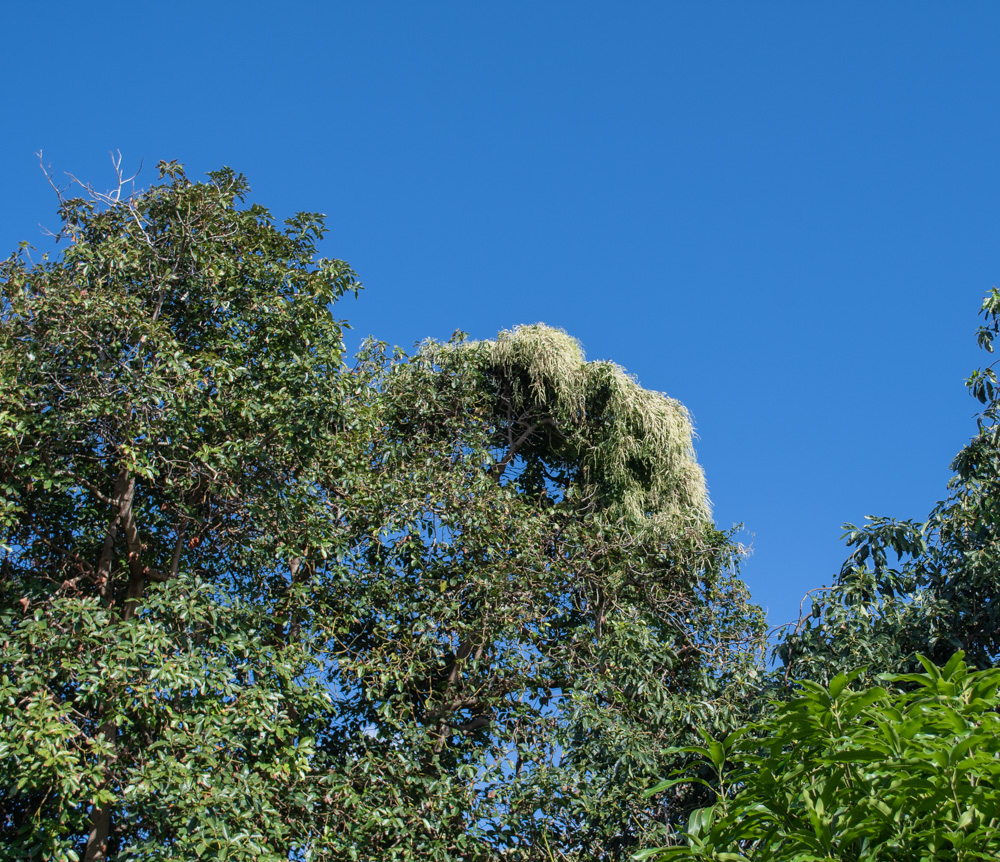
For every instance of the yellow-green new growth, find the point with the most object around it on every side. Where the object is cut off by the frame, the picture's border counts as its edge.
(635, 445)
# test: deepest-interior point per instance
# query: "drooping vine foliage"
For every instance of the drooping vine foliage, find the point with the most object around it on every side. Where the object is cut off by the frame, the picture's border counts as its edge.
(632, 447)
(564, 636)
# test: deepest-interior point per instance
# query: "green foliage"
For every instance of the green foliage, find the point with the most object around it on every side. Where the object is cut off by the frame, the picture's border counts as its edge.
(257, 605)
(180, 354)
(211, 755)
(511, 623)
(632, 447)
(926, 587)
(837, 774)
(169, 396)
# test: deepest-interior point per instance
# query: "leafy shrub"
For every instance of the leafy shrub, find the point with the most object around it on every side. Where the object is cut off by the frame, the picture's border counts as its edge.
(907, 772)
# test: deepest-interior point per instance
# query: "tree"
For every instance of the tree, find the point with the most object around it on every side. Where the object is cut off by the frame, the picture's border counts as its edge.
(835, 773)
(542, 603)
(256, 604)
(169, 400)
(908, 587)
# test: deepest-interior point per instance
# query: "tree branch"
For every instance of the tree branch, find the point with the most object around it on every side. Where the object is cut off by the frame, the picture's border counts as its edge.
(122, 501)
(136, 571)
(499, 468)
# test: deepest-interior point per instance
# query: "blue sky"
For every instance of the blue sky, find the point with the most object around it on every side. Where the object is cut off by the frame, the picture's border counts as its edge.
(782, 214)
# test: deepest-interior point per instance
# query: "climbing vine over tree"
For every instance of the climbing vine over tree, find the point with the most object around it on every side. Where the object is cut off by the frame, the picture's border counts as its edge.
(548, 518)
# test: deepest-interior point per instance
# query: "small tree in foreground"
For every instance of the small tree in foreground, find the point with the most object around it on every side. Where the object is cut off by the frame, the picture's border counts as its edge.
(874, 774)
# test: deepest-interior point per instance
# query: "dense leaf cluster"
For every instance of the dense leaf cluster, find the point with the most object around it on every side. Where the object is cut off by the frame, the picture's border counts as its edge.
(525, 635)
(875, 774)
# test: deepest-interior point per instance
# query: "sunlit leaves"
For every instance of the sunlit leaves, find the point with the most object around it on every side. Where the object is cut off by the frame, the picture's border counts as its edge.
(262, 606)
(880, 774)
(171, 400)
(929, 587)
(505, 620)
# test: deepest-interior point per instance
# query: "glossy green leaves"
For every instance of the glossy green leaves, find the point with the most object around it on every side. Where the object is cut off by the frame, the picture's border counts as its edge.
(837, 774)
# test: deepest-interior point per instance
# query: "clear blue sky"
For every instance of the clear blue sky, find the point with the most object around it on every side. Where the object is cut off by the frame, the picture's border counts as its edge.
(783, 214)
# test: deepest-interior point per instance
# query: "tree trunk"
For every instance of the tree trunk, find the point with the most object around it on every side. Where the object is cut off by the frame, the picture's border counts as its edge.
(100, 816)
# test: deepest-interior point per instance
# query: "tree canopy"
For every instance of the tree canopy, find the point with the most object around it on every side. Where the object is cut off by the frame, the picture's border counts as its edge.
(530, 618)
(169, 398)
(926, 587)
(259, 604)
